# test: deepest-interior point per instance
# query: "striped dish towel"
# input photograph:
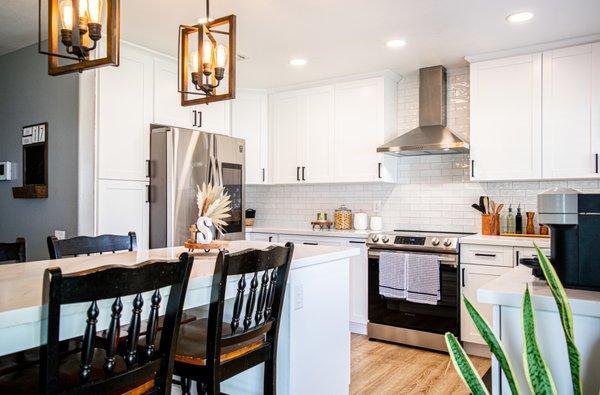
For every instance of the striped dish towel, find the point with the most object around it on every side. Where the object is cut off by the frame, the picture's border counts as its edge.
(392, 275)
(423, 279)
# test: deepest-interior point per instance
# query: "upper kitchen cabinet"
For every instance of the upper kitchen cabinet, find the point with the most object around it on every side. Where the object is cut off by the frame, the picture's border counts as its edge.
(365, 117)
(124, 114)
(571, 116)
(249, 115)
(286, 136)
(216, 117)
(506, 119)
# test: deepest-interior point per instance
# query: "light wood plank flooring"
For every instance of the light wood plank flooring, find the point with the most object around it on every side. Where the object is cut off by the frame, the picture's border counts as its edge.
(385, 368)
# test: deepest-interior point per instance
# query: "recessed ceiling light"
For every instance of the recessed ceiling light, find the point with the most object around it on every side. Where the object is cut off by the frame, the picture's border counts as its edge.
(395, 43)
(298, 62)
(520, 17)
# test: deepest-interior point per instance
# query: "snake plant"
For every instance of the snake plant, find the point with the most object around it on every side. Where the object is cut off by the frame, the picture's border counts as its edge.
(537, 373)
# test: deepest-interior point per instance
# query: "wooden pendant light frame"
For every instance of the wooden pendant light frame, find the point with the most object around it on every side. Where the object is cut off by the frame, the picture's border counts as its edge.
(208, 30)
(54, 55)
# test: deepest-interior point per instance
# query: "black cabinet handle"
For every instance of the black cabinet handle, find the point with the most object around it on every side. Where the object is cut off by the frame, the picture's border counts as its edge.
(463, 277)
(356, 242)
(147, 193)
(307, 243)
(472, 167)
(148, 169)
(303, 168)
(596, 163)
(379, 170)
(270, 239)
(298, 173)
(263, 174)
(486, 255)
(517, 258)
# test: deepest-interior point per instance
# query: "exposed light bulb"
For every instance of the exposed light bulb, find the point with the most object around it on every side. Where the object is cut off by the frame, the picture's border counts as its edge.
(195, 62)
(65, 9)
(94, 9)
(221, 55)
(298, 62)
(207, 49)
(395, 43)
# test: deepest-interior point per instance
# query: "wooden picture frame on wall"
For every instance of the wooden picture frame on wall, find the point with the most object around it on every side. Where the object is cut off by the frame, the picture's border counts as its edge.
(34, 144)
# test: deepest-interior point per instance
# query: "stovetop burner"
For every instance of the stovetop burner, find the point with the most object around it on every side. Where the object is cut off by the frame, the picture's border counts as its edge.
(411, 240)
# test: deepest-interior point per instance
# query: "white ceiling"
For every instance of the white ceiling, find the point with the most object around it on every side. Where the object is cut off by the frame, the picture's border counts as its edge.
(337, 37)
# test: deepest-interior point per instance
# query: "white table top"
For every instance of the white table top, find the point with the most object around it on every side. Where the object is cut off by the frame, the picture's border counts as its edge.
(21, 283)
(505, 241)
(508, 290)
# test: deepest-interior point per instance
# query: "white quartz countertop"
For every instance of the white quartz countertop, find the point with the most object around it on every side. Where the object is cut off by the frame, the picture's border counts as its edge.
(353, 234)
(506, 241)
(508, 290)
(21, 283)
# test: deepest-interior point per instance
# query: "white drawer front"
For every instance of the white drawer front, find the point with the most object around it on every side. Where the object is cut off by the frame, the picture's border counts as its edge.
(486, 255)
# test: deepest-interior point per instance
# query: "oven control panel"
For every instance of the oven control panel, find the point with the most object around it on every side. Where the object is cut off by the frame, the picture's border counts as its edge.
(429, 242)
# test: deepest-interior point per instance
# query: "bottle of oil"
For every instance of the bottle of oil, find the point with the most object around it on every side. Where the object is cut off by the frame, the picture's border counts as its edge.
(510, 221)
(519, 221)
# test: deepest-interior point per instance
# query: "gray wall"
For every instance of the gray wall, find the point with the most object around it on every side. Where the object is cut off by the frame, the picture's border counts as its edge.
(28, 96)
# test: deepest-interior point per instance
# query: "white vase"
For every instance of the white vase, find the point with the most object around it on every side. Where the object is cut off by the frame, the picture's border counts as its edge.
(204, 234)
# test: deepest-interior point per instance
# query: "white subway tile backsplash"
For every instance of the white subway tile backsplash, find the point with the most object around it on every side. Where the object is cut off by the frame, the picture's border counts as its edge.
(433, 192)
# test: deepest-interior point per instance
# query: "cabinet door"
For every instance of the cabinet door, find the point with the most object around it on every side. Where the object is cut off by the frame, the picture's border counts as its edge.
(124, 116)
(216, 117)
(570, 141)
(268, 237)
(286, 110)
(249, 122)
(311, 240)
(506, 134)
(317, 160)
(358, 131)
(123, 207)
(472, 278)
(167, 100)
(358, 284)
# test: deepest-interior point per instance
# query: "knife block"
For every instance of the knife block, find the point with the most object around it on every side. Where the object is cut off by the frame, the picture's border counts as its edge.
(490, 224)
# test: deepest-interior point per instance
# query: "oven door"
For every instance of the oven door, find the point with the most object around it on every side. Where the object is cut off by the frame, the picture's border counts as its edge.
(439, 319)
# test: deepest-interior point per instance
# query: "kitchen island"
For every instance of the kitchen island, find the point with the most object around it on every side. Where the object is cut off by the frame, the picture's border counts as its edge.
(505, 294)
(314, 349)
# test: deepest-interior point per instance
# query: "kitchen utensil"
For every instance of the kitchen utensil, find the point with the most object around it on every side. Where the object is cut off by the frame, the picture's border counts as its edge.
(376, 224)
(481, 199)
(492, 207)
(478, 208)
(361, 221)
(499, 208)
(486, 204)
(342, 218)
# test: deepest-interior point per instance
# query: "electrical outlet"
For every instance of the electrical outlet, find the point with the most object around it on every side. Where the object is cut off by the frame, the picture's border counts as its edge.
(298, 297)
(376, 206)
(59, 234)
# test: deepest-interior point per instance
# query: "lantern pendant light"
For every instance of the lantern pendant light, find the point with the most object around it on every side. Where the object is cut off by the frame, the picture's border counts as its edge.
(206, 63)
(79, 24)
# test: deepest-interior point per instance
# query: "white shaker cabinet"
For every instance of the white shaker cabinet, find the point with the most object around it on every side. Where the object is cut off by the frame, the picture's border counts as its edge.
(571, 117)
(365, 118)
(317, 161)
(123, 207)
(249, 115)
(124, 111)
(216, 117)
(506, 117)
(358, 287)
(286, 137)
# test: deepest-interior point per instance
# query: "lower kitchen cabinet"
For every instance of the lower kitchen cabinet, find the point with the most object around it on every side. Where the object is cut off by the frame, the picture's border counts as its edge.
(268, 237)
(123, 207)
(358, 288)
(472, 278)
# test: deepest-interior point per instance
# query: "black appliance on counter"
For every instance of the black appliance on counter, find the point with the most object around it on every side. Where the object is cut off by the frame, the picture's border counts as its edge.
(574, 220)
(415, 324)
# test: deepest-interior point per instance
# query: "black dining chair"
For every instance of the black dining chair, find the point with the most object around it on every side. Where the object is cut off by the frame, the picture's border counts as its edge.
(138, 367)
(87, 245)
(209, 350)
(13, 252)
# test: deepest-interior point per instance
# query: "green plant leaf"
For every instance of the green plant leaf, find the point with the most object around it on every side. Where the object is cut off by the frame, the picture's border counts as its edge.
(494, 345)
(566, 318)
(464, 367)
(536, 371)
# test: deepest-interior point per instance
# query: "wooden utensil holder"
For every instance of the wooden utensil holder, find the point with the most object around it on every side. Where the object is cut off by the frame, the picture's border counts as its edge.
(490, 224)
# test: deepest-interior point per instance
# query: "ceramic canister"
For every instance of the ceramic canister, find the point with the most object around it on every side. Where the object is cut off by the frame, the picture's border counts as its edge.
(360, 221)
(376, 223)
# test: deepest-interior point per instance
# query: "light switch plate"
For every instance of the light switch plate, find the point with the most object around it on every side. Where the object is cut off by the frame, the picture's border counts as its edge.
(59, 234)
(376, 206)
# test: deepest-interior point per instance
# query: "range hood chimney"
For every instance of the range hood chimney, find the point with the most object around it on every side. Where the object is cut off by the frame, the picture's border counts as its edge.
(432, 137)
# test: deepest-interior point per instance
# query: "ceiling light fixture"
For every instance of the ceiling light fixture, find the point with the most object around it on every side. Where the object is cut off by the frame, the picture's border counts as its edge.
(298, 62)
(520, 17)
(208, 49)
(79, 24)
(395, 43)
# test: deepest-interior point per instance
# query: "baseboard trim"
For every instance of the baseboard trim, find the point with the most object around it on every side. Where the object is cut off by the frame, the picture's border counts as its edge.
(358, 327)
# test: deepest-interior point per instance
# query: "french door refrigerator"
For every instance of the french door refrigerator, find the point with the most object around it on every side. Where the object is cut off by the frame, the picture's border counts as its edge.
(180, 159)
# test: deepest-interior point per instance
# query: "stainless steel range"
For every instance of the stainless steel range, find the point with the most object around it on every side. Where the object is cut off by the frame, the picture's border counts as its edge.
(402, 321)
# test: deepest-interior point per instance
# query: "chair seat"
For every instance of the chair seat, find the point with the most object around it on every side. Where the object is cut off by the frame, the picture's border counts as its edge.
(191, 345)
(26, 381)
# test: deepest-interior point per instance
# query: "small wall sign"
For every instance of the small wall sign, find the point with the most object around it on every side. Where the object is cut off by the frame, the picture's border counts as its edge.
(34, 134)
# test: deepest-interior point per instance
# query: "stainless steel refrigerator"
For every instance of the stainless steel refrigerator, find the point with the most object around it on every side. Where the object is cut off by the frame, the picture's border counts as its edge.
(180, 159)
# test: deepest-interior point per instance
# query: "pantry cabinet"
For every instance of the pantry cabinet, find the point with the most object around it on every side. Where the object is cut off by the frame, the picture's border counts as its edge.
(249, 115)
(571, 143)
(506, 115)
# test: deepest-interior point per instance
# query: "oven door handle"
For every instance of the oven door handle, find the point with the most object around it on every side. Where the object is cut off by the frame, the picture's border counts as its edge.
(452, 262)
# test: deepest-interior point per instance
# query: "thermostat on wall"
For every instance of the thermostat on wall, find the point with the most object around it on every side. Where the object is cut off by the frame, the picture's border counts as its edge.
(6, 171)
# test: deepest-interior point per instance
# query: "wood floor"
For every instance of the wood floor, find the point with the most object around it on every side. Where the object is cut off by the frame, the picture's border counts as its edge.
(385, 368)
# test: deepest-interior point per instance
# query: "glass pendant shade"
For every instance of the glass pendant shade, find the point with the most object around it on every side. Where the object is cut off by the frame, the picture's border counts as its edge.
(94, 9)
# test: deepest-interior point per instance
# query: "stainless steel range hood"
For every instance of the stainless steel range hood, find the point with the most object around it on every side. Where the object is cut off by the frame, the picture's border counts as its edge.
(432, 137)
